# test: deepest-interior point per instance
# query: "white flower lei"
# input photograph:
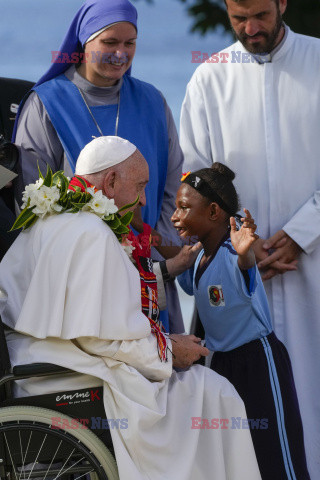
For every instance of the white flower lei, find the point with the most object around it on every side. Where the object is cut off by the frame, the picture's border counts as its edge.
(50, 195)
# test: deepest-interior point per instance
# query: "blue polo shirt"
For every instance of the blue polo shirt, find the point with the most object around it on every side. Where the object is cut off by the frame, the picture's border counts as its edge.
(233, 311)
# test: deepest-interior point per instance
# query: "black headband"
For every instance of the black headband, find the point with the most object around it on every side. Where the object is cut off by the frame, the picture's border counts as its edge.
(206, 190)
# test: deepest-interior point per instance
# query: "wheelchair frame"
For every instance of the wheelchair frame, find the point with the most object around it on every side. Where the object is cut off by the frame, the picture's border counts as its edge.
(33, 447)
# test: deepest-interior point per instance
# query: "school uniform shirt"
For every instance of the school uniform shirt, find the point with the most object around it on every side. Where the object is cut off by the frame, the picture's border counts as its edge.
(233, 309)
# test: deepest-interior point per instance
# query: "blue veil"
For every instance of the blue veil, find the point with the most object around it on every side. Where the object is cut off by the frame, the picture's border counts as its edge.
(91, 17)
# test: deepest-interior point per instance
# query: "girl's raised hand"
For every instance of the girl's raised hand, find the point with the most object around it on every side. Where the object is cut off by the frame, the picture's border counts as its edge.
(243, 239)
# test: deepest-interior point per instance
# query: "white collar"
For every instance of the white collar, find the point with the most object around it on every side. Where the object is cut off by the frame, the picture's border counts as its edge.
(277, 52)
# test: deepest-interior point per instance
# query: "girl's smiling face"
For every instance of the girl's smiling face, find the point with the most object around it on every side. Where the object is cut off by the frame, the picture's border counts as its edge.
(192, 214)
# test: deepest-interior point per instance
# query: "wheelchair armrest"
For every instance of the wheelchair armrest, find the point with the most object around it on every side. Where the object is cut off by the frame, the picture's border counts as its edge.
(38, 369)
(20, 372)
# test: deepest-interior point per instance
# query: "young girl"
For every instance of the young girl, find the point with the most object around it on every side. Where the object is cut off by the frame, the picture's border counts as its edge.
(233, 309)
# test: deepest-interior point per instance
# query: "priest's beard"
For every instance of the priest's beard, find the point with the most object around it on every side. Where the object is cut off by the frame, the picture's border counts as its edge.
(261, 46)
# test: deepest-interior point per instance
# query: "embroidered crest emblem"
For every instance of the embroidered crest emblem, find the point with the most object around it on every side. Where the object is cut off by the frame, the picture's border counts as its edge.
(216, 297)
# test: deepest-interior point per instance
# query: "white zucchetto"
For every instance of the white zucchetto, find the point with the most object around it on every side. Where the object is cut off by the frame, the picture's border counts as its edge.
(102, 153)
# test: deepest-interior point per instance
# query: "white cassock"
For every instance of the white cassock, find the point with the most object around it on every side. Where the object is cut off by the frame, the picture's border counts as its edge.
(263, 121)
(68, 278)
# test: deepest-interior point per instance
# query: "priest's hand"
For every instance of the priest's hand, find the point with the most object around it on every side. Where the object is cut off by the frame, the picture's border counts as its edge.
(261, 254)
(284, 255)
(186, 349)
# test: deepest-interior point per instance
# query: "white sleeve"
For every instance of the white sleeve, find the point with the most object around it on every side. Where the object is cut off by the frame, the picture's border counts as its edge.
(141, 354)
(194, 130)
(304, 226)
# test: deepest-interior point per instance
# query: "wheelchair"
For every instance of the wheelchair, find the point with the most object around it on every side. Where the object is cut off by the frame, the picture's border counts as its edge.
(48, 437)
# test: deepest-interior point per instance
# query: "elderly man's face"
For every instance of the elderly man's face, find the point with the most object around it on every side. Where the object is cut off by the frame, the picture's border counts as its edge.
(131, 181)
(257, 23)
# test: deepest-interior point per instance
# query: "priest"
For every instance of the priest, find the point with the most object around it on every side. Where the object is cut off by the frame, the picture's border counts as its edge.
(71, 293)
(257, 109)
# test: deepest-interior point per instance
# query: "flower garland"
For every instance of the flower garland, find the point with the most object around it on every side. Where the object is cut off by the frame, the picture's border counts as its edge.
(56, 194)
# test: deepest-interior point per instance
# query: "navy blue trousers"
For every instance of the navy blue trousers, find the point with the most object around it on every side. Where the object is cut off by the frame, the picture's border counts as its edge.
(261, 372)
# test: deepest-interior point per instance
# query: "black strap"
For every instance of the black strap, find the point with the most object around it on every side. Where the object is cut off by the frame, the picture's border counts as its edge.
(206, 190)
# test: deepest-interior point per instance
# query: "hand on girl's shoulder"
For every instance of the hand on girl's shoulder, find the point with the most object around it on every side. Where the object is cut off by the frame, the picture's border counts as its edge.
(184, 260)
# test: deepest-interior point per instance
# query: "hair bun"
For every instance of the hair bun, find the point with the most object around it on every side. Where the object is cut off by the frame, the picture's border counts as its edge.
(223, 170)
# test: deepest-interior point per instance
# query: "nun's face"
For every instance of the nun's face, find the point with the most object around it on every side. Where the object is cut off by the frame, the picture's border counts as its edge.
(109, 55)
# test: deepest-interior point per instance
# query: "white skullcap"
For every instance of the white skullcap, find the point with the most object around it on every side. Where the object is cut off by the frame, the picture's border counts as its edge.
(102, 153)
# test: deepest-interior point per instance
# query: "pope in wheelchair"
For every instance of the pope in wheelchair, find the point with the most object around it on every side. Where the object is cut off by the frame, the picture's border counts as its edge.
(90, 360)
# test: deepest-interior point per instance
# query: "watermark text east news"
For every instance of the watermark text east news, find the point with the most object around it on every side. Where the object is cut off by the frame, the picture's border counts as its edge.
(222, 57)
(233, 423)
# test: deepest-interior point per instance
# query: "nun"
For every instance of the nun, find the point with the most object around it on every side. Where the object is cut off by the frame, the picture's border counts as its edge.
(88, 92)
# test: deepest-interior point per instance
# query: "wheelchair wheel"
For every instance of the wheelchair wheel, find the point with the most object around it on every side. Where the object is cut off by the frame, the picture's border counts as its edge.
(32, 447)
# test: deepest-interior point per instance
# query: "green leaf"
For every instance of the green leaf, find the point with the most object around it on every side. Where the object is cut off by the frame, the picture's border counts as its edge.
(47, 182)
(23, 218)
(64, 184)
(109, 218)
(77, 190)
(75, 196)
(121, 229)
(113, 224)
(86, 197)
(127, 218)
(40, 173)
(56, 177)
(129, 205)
(78, 205)
(83, 183)
(31, 221)
(60, 179)
(64, 201)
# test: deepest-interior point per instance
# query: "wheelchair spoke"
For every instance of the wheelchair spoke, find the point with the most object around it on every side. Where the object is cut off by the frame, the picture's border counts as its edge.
(22, 459)
(54, 456)
(84, 475)
(25, 456)
(14, 468)
(71, 466)
(61, 469)
(35, 462)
